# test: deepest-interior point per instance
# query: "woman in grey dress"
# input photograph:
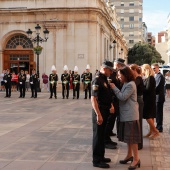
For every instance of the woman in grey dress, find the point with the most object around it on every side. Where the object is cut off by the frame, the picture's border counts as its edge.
(129, 128)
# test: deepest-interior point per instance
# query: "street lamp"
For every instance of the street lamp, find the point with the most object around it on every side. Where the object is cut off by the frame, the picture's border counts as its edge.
(38, 40)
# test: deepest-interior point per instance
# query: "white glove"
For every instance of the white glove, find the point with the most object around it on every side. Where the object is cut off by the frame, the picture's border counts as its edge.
(5, 81)
(31, 82)
(20, 82)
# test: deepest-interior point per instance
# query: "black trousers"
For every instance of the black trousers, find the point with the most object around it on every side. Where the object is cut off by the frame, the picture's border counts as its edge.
(34, 90)
(76, 89)
(88, 88)
(141, 104)
(98, 136)
(8, 90)
(53, 90)
(111, 122)
(22, 90)
(65, 90)
(159, 115)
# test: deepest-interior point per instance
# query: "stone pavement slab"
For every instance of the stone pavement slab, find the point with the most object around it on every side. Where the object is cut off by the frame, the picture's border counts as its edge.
(43, 134)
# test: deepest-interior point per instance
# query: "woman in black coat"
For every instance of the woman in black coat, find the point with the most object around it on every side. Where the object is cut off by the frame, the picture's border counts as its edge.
(149, 98)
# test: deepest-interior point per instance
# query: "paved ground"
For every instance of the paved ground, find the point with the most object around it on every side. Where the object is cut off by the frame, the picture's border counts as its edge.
(43, 134)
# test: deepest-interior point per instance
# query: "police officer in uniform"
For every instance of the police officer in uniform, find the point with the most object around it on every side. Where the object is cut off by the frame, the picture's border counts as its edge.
(76, 83)
(34, 84)
(87, 81)
(109, 144)
(21, 81)
(7, 79)
(65, 78)
(102, 106)
(53, 78)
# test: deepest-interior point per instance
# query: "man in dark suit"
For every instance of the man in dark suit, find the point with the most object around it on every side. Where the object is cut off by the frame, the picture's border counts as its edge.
(7, 79)
(160, 96)
(22, 80)
(34, 84)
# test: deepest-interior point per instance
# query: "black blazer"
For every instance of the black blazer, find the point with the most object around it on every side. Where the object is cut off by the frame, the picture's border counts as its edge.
(160, 83)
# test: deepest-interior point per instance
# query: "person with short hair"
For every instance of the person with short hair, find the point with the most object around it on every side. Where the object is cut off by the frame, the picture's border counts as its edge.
(160, 96)
(7, 79)
(102, 105)
(34, 84)
(21, 81)
(129, 126)
(76, 83)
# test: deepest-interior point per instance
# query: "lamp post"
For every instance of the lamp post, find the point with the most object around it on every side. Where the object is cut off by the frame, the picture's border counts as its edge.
(38, 40)
(114, 53)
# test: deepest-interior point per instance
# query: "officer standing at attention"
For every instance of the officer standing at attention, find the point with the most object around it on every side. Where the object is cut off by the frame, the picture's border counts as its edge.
(53, 78)
(87, 81)
(7, 79)
(34, 84)
(65, 78)
(102, 106)
(22, 80)
(76, 83)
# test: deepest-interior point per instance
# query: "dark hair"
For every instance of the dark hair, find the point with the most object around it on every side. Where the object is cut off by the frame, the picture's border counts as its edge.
(127, 73)
(136, 67)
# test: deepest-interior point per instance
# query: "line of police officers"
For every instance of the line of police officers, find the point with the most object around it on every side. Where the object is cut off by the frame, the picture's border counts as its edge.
(53, 79)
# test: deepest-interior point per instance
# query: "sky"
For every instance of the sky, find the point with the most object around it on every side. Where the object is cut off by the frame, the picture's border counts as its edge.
(155, 13)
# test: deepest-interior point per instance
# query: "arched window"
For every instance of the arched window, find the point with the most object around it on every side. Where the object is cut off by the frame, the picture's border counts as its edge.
(19, 41)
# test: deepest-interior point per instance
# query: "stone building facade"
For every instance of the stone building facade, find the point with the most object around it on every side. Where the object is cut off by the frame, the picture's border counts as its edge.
(81, 32)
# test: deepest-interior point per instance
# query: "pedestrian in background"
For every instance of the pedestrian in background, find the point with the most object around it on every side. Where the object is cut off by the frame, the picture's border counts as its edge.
(160, 96)
(7, 79)
(167, 80)
(45, 82)
(53, 78)
(137, 71)
(149, 98)
(27, 83)
(21, 82)
(34, 84)
(129, 126)
(1, 80)
(14, 81)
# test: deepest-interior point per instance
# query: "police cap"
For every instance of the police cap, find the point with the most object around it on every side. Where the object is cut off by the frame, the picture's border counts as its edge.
(107, 64)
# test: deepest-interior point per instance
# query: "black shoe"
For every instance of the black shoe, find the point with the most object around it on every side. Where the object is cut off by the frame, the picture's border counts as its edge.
(110, 146)
(6, 97)
(101, 165)
(111, 142)
(32, 97)
(55, 97)
(112, 134)
(85, 98)
(135, 166)
(20, 97)
(126, 161)
(63, 97)
(73, 97)
(50, 98)
(35, 97)
(23, 97)
(67, 97)
(77, 97)
(106, 160)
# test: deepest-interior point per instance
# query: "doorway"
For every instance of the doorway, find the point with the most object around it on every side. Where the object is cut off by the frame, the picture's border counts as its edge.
(18, 66)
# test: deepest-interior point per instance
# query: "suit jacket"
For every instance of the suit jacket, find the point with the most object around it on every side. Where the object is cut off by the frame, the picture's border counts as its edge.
(127, 102)
(160, 83)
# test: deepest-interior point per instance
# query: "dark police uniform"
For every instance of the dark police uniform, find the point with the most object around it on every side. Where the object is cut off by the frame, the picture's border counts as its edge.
(102, 91)
(76, 85)
(21, 81)
(7, 79)
(65, 78)
(87, 78)
(34, 85)
(112, 117)
(53, 78)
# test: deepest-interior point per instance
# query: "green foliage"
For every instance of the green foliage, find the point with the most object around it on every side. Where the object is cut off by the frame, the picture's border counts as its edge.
(144, 54)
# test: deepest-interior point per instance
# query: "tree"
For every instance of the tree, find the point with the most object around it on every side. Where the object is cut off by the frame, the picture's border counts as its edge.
(143, 53)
